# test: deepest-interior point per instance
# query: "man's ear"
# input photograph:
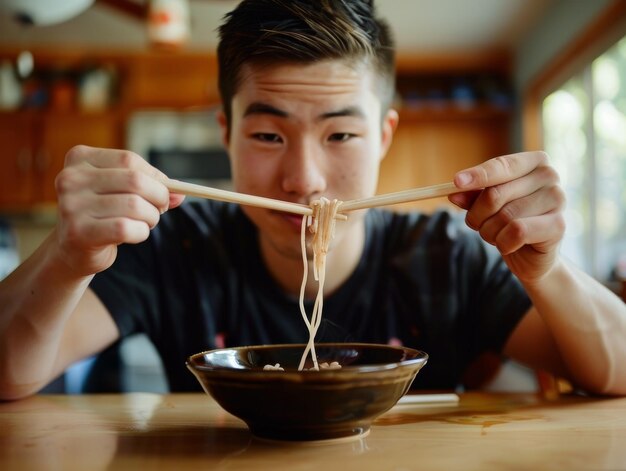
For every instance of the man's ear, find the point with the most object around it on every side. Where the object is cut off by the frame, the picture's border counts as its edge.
(223, 122)
(390, 123)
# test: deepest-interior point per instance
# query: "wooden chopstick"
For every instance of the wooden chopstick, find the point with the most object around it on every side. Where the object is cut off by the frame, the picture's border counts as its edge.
(414, 194)
(191, 189)
(433, 399)
(405, 196)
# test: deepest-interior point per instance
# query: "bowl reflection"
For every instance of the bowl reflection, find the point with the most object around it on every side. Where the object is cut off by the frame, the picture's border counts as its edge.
(297, 405)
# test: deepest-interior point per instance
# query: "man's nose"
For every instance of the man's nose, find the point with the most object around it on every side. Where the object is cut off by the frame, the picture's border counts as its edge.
(303, 170)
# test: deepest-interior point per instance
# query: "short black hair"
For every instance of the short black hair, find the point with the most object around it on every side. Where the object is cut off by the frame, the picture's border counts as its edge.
(303, 31)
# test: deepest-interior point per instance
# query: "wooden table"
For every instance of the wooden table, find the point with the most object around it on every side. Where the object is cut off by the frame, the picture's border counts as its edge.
(190, 431)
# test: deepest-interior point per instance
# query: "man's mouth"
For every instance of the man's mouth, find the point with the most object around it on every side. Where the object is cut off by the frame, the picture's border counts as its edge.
(293, 220)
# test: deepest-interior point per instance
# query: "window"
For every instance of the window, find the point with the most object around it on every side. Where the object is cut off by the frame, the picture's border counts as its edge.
(584, 130)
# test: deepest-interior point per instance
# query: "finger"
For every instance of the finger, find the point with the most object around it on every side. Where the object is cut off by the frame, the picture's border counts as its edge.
(112, 158)
(499, 170)
(78, 182)
(176, 200)
(492, 199)
(88, 232)
(118, 181)
(542, 232)
(101, 158)
(127, 205)
(539, 203)
(465, 199)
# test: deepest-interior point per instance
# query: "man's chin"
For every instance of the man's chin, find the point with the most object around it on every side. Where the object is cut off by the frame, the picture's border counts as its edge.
(291, 249)
(294, 253)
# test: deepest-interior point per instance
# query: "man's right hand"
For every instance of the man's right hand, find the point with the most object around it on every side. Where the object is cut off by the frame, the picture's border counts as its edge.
(106, 197)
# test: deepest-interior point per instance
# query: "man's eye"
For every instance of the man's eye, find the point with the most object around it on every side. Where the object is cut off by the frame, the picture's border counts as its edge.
(340, 137)
(267, 137)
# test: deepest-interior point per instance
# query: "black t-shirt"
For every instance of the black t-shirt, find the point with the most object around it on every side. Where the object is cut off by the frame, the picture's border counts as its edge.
(423, 281)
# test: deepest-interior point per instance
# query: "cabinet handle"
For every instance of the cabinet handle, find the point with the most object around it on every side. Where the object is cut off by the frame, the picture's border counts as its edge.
(24, 160)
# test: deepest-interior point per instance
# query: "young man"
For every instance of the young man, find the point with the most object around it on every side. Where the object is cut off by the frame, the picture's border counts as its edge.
(306, 88)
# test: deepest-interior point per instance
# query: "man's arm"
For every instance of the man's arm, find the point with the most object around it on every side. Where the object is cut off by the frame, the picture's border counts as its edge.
(577, 327)
(576, 330)
(48, 317)
(49, 320)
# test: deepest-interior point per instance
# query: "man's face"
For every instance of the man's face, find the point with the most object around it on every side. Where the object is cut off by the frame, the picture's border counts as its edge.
(302, 132)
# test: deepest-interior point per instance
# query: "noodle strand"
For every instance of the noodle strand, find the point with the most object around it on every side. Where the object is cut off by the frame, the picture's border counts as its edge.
(322, 225)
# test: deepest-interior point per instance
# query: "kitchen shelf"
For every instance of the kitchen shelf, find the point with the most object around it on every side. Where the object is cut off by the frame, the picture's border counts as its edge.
(452, 111)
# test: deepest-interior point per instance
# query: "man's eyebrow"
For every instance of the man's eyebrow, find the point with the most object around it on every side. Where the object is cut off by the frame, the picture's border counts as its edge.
(258, 107)
(264, 108)
(354, 111)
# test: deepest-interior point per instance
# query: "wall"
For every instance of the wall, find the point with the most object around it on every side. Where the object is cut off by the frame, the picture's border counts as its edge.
(560, 24)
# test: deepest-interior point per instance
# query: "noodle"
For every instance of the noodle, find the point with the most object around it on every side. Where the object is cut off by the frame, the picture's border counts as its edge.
(322, 225)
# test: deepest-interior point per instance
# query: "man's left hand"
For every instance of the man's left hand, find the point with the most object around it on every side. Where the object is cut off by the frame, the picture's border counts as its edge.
(516, 204)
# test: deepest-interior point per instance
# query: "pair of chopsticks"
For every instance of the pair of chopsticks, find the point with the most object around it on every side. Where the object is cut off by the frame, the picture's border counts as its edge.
(405, 196)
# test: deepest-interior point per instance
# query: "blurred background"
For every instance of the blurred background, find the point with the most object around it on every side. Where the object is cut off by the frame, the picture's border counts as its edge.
(475, 79)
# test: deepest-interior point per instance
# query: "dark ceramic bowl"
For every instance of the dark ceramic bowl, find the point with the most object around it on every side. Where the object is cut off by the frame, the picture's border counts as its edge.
(307, 405)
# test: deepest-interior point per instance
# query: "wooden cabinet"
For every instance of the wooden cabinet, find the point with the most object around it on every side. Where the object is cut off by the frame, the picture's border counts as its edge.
(172, 81)
(36, 139)
(454, 113)
(34, 148)
(17, 160)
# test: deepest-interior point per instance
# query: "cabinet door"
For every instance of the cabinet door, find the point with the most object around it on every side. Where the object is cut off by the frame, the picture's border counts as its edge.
(428, 152)
(18, 138)
(172, 80)
(60, 132)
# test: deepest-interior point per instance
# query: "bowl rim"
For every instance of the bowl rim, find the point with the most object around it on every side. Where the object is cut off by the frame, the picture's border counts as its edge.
(421, 357)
